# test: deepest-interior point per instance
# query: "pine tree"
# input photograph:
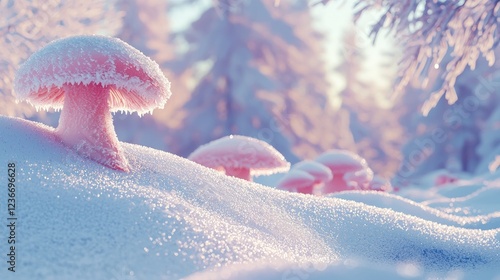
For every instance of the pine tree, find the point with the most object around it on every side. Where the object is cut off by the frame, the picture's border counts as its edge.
(263, 78)
(377, 134)
(449, 136)
(146, 27)
(26, 26)
(428, 30)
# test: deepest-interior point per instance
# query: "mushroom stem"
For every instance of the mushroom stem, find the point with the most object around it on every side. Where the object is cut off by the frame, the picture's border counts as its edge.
(242, 173)
(86, 125)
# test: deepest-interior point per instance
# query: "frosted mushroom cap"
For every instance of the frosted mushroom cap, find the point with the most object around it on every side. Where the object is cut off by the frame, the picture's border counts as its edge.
(136, 82)
(317, 170)
(359, 178)
(237, 151)
(342, 161)
(296, 179)
(381, 184)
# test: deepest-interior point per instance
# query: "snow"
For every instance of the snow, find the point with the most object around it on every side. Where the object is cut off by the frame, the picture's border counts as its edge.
(137, 83)
(170, 218)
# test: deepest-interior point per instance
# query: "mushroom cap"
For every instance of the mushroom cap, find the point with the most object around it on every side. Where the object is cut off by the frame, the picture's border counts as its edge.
(236, 151)
(136, 82)
(380, 184)
(296, 179)
(316, 169)
(342, 161)
(359, 178)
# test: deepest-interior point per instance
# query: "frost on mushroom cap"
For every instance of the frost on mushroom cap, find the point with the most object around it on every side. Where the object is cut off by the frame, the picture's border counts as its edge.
(360, 176)
(296, 179)
(317, 170)
(237, 151)
(342, 161)
(136, 82)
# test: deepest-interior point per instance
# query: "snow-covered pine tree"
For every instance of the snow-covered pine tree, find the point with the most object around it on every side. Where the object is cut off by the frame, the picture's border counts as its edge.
(26, 26)
(488, 149)
(262, 77)
(428, 30)
(146, 27)
(377, 134)
(449, 136)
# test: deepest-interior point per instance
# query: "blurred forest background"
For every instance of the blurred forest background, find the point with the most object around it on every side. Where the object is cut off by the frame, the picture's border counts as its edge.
(299, 75)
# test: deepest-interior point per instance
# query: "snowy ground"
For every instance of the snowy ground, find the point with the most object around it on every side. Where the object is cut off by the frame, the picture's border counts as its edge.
(171, 218)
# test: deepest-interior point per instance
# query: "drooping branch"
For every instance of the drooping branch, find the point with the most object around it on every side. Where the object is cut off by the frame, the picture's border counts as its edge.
(429, 30)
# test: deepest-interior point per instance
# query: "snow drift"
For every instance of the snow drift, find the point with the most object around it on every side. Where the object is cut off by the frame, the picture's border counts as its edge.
(169, 218)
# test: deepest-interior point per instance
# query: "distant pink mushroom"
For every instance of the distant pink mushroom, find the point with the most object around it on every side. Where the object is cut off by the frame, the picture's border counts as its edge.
(359, 180)
(320, 172)
(380, 184)
(241, 157)
(297, 181)
(341, 162)
(88, 77)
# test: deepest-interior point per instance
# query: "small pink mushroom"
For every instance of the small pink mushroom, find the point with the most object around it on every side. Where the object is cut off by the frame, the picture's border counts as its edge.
(88, 77)
(360, 179)
(297, 181)
(241, 157)
(380, 184)
(341, 162)
(321, 173)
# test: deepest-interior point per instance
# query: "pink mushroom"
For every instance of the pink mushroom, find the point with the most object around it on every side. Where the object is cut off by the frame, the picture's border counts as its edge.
(380, 184)
(241, 157)
(360, 179)
(297, 181)
(341, 162)
(444, 179)
(89, 77)
(320, 172)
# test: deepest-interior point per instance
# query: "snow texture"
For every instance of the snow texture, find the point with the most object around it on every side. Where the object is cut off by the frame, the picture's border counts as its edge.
(236, 151)
(136, 82)
(169, 218)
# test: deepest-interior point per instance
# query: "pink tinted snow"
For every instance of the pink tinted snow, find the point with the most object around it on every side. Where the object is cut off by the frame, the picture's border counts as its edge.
(297, 181)
(89, 77)
(342, 162)
(241, 157)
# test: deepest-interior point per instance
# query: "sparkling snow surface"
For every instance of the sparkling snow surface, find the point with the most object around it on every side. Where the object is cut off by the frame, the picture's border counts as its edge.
(171, 218)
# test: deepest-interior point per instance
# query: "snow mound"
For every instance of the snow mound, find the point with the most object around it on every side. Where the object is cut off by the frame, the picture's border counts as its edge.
(421, 210)
(169, 218)
(348, 269)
